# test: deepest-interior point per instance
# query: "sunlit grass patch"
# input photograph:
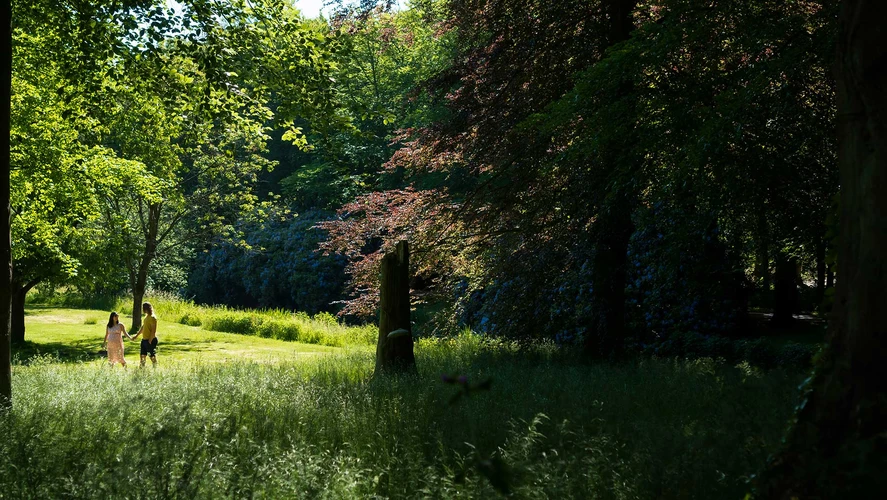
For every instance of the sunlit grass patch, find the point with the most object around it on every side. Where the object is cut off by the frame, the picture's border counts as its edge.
(322, 328)
(63, 333)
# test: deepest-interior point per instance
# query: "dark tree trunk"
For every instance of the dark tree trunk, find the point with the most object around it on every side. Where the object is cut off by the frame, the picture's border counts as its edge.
(17, 330)
(837, 448)
(19, 293)
(394, 350)
(762, 262)
(785, 291)
(141, 274)
(614, 229)
(5, 212)
(138, 294)
(608, 283)
(820, 272)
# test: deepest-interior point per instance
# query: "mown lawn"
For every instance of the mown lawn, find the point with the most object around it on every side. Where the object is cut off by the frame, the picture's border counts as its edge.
(74, 335)
(277, 420)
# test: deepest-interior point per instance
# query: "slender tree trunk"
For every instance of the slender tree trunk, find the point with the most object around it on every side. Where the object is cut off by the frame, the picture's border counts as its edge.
(785, 291)
(5, 212)
(820, 271)
(138, 294)
(141, 274)
(762, 262)
(837, 447)
(394, 349)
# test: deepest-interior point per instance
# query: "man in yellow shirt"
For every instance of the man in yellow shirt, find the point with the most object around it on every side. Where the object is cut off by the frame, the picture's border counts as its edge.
(149, 339)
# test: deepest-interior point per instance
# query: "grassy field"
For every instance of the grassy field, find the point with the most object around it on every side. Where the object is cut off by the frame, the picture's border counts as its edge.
(320, 329)
(311, 422)
(75, 335)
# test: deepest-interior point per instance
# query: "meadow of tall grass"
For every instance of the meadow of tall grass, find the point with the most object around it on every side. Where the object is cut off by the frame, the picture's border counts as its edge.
(548, 426)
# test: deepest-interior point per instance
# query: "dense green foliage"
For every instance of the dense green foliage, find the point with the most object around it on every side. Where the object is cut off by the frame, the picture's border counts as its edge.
(661, 429)
(670, 172)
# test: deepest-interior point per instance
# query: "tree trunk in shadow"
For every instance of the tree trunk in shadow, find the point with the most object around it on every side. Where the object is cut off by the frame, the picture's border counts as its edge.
(785, 291)
(18, 315)
(607, 332)
(837, 447)
(614, 228)
(820, 272)
(5, 211)
(394, 348)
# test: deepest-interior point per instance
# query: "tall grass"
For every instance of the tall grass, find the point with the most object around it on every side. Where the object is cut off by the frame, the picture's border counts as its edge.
(322, 328)
(548, 427)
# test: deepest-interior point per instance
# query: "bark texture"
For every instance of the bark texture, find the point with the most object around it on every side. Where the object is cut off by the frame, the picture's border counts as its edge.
(837, 447)
(394, 352)
(5, 212)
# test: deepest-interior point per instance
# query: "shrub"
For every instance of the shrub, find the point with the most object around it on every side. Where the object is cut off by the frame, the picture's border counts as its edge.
(232, 322)
(757, 352)
(190, 320)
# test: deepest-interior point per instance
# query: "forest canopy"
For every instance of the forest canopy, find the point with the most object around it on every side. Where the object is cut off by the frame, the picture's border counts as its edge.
(649, 174)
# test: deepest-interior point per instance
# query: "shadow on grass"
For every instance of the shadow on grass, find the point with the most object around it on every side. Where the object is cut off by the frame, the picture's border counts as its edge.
(70, 352)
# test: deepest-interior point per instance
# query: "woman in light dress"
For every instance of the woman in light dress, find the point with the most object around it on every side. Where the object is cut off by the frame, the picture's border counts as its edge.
(114, 340)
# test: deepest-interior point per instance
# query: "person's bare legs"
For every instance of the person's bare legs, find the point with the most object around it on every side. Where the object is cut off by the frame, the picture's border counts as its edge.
(142, 361)
(154, 361)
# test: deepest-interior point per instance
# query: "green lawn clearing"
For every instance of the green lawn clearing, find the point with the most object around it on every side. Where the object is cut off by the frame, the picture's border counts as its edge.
(74, 335)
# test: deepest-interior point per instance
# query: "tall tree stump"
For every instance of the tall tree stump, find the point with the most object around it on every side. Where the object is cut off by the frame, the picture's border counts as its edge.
(394, 350)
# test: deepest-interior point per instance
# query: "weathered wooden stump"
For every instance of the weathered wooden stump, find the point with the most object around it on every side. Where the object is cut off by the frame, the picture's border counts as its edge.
(394, 350)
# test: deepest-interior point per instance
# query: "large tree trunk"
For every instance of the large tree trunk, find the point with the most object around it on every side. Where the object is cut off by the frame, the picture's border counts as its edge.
(785, 291)
(607, 330)
(17, 328)
(837, 447)
(608, 282)
(394, 349)
(5, 212)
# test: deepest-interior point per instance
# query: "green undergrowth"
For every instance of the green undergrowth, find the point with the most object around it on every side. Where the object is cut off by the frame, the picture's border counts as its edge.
(321, 329)
(546, 426)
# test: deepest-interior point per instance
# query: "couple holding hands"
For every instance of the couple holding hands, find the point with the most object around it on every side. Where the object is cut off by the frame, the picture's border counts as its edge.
(114, 337)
